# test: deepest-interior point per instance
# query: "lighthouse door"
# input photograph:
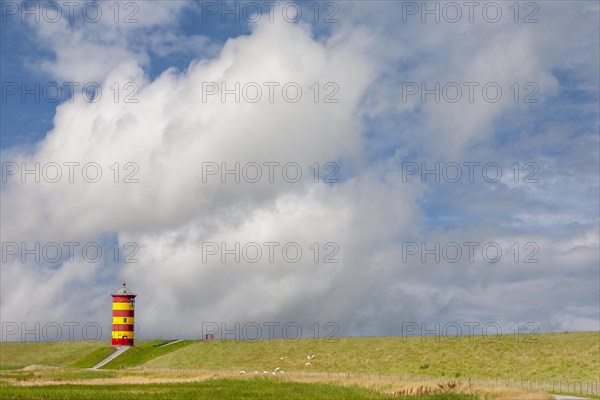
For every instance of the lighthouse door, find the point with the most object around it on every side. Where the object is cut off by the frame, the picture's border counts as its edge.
(125, 340)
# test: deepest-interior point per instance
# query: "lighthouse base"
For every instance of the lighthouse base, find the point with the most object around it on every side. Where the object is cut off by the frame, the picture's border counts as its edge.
(122, 342)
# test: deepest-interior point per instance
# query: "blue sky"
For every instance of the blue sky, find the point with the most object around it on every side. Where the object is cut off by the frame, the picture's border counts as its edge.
(176, 51)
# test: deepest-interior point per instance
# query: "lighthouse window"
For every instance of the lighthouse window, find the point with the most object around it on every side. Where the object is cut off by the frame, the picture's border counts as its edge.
(132, 302)
(124, 319)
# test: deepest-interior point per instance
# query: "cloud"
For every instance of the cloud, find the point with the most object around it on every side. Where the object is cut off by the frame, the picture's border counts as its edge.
(91, 39)
(180, 126)
(173, 129)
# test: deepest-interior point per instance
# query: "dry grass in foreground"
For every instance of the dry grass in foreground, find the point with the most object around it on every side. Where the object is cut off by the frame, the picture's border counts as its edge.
(49, 376)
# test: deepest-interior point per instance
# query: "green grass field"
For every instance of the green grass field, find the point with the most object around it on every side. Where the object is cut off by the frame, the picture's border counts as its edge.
(258, 388)
(173, 370)
(566, 356)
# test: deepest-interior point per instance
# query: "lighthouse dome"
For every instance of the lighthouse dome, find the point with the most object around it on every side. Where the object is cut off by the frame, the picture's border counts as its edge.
(124, 291)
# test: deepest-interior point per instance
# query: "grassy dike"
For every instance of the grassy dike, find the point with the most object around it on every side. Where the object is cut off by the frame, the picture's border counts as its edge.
(59, 354)
(565, 356)
(555, 356)
(144, 353)
(198, 370)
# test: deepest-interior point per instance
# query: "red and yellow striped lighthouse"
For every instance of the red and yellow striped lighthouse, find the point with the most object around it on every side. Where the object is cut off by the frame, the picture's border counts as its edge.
(123, 307)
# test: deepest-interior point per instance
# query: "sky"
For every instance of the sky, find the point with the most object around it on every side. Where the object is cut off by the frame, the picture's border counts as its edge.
(323, 168)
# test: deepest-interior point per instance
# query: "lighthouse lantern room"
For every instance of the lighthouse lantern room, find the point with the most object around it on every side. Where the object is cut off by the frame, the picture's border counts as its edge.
(123, 306)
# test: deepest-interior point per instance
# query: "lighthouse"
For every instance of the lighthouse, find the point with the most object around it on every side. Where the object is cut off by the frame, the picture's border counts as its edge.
(123, 307)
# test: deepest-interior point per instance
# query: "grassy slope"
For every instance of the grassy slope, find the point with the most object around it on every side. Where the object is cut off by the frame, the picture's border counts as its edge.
(145, 352)
(94, 357)
(566, 356)
(48, 353)
(78, 354)
(221, 389)
(572, 356)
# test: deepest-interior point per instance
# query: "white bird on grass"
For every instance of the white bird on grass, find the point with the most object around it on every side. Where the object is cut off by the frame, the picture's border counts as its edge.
(242, 372)
(308, 364)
